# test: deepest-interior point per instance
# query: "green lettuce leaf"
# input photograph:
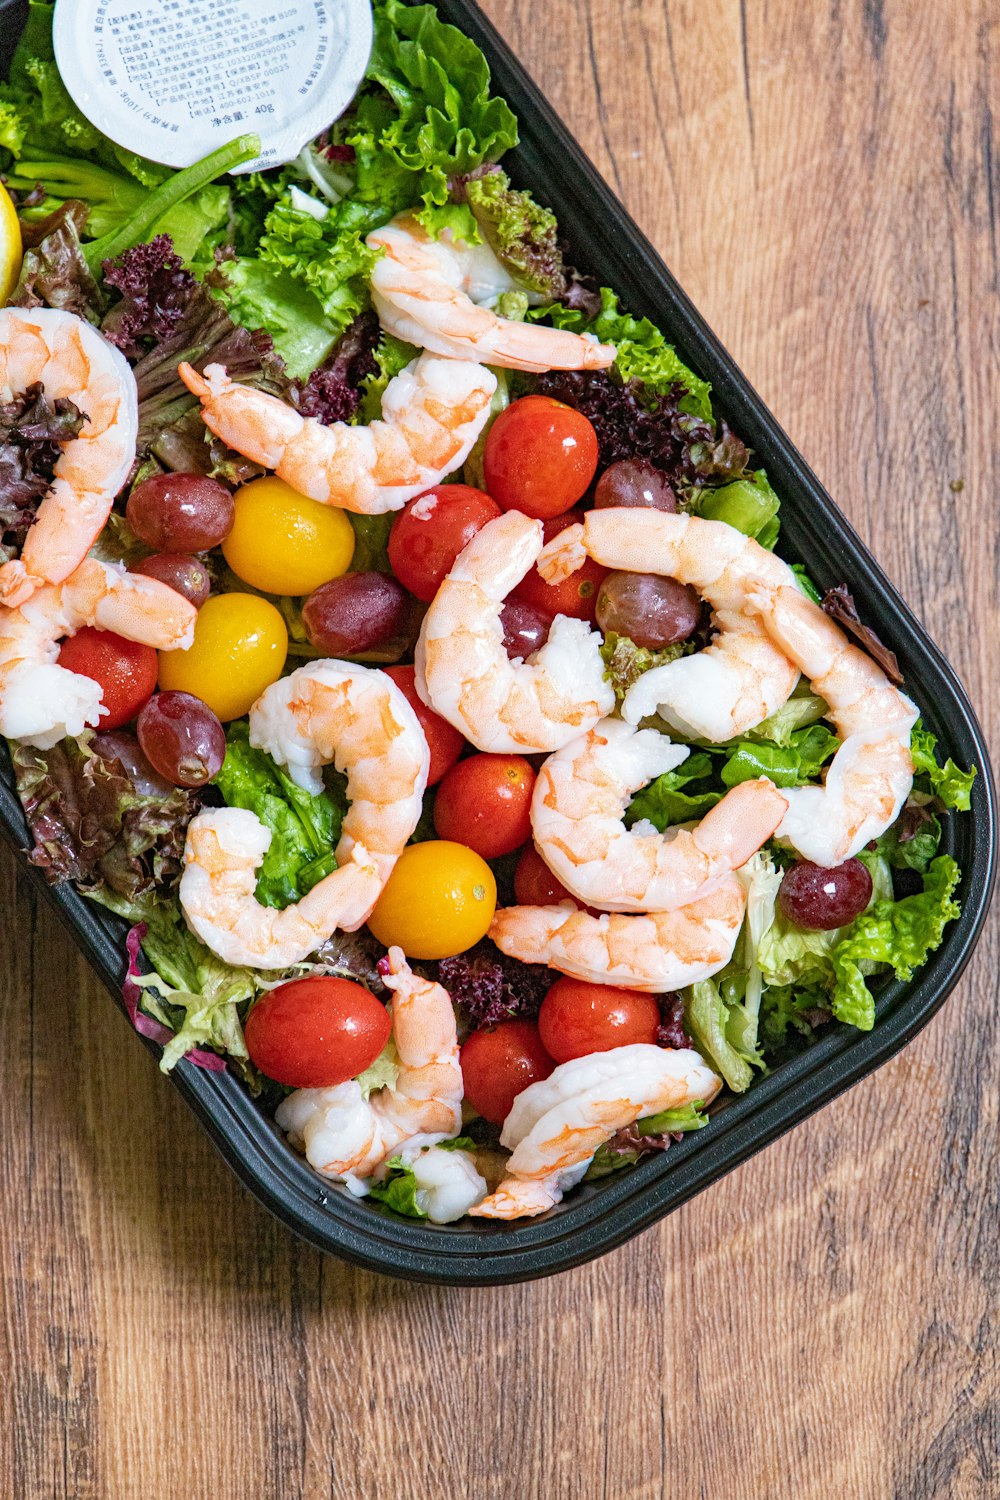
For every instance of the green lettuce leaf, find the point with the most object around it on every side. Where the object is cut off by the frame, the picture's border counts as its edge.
(440, 118)
(748, 505)
(625, 662)
(664, 802)
(912, 841)
(786, 1009)
(304, 828)
(261, 295)
(674, 1121)
(951, 785)
(643, 352)
(706, 1021)
(523, 235)
(896, 934)
(383, 1072)
(801, 759)
(398, 1189)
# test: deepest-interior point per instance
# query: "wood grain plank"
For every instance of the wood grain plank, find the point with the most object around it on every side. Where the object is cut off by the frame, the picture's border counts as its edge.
(823, 179)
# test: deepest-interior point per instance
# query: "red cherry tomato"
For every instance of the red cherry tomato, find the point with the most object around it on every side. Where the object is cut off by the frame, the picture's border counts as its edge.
(577, 1018)
(484, 802)
(443, 739)
(313, 1033)
(540, 456)
(125, 670)
(576, 595)
(534, 882)
(498, 1064)
(432, 530)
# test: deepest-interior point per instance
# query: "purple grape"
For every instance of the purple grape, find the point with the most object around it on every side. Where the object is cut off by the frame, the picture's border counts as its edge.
(182, 738)
(525, 628)
(355, 613)
(634, 482)
(820, 899)
(652, 610)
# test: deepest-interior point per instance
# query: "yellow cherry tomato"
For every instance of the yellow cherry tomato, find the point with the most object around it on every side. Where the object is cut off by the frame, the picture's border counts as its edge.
(240, 645)
(437, 902)
(283, 543)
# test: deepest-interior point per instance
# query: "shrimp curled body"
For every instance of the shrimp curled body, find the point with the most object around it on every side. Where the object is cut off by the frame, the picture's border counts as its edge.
(577, 812)
(556, 1125)
(325, 712)
(743, 676)
(465, 674)
(42, 702)
(348, 1138)
(432, 414)
(652, 951)
(427, 292)
(70, 361)
(871, 774)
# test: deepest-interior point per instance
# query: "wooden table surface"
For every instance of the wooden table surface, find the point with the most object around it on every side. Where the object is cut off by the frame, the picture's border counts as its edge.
(824, 180)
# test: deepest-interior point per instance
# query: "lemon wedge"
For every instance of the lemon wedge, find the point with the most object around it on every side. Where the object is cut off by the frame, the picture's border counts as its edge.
(10, 246)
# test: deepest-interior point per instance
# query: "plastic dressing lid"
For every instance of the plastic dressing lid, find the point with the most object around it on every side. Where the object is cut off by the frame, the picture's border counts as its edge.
(174, 79)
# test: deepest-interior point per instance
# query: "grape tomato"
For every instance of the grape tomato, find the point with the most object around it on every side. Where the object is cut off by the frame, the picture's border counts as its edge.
(485, 802)
(284, 543)
(540, 457)
(125, 670)
(430, 532)
(316, 1032)
(240, 646)
(499, 1064)
(438, 901)
(444, 741)
(577, 1018)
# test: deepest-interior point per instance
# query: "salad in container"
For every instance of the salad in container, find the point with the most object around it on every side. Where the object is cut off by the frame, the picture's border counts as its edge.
(392, 633)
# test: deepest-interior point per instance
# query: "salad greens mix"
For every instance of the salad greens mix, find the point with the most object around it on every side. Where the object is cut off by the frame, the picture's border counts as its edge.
(268, 273)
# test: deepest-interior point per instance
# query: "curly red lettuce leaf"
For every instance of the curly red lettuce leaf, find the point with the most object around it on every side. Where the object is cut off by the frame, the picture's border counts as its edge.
(91, 824)
(839, 604)
(132, 994)
(32, 431)
(492, 987)
(334, 391)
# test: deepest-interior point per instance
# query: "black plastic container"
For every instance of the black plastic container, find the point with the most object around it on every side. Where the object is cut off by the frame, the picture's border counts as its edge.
(596, 1218)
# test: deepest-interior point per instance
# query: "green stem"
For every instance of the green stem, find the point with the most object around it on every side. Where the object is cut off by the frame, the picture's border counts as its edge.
(176, 188)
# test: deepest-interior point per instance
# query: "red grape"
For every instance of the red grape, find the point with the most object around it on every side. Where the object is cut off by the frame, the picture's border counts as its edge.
(118, 744)
(820, 899)
(652, 610)
(634, 482)
(180, 512)
(180, 571)
(355, 613)
(525, 628)
(182, 738)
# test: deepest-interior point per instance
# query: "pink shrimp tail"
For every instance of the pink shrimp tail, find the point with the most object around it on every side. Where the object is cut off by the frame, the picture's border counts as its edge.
(196, 384)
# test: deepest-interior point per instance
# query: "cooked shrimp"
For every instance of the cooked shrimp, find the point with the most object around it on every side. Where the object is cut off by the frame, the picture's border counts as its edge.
(71, 361)
(358, 719)
(871, 774)
(655, 951)
(556, 1125)
(743, 676)
(432, 414)
(427, 291)
(577, 812)
(348, 1137)
(42, 702)
(465, 674)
